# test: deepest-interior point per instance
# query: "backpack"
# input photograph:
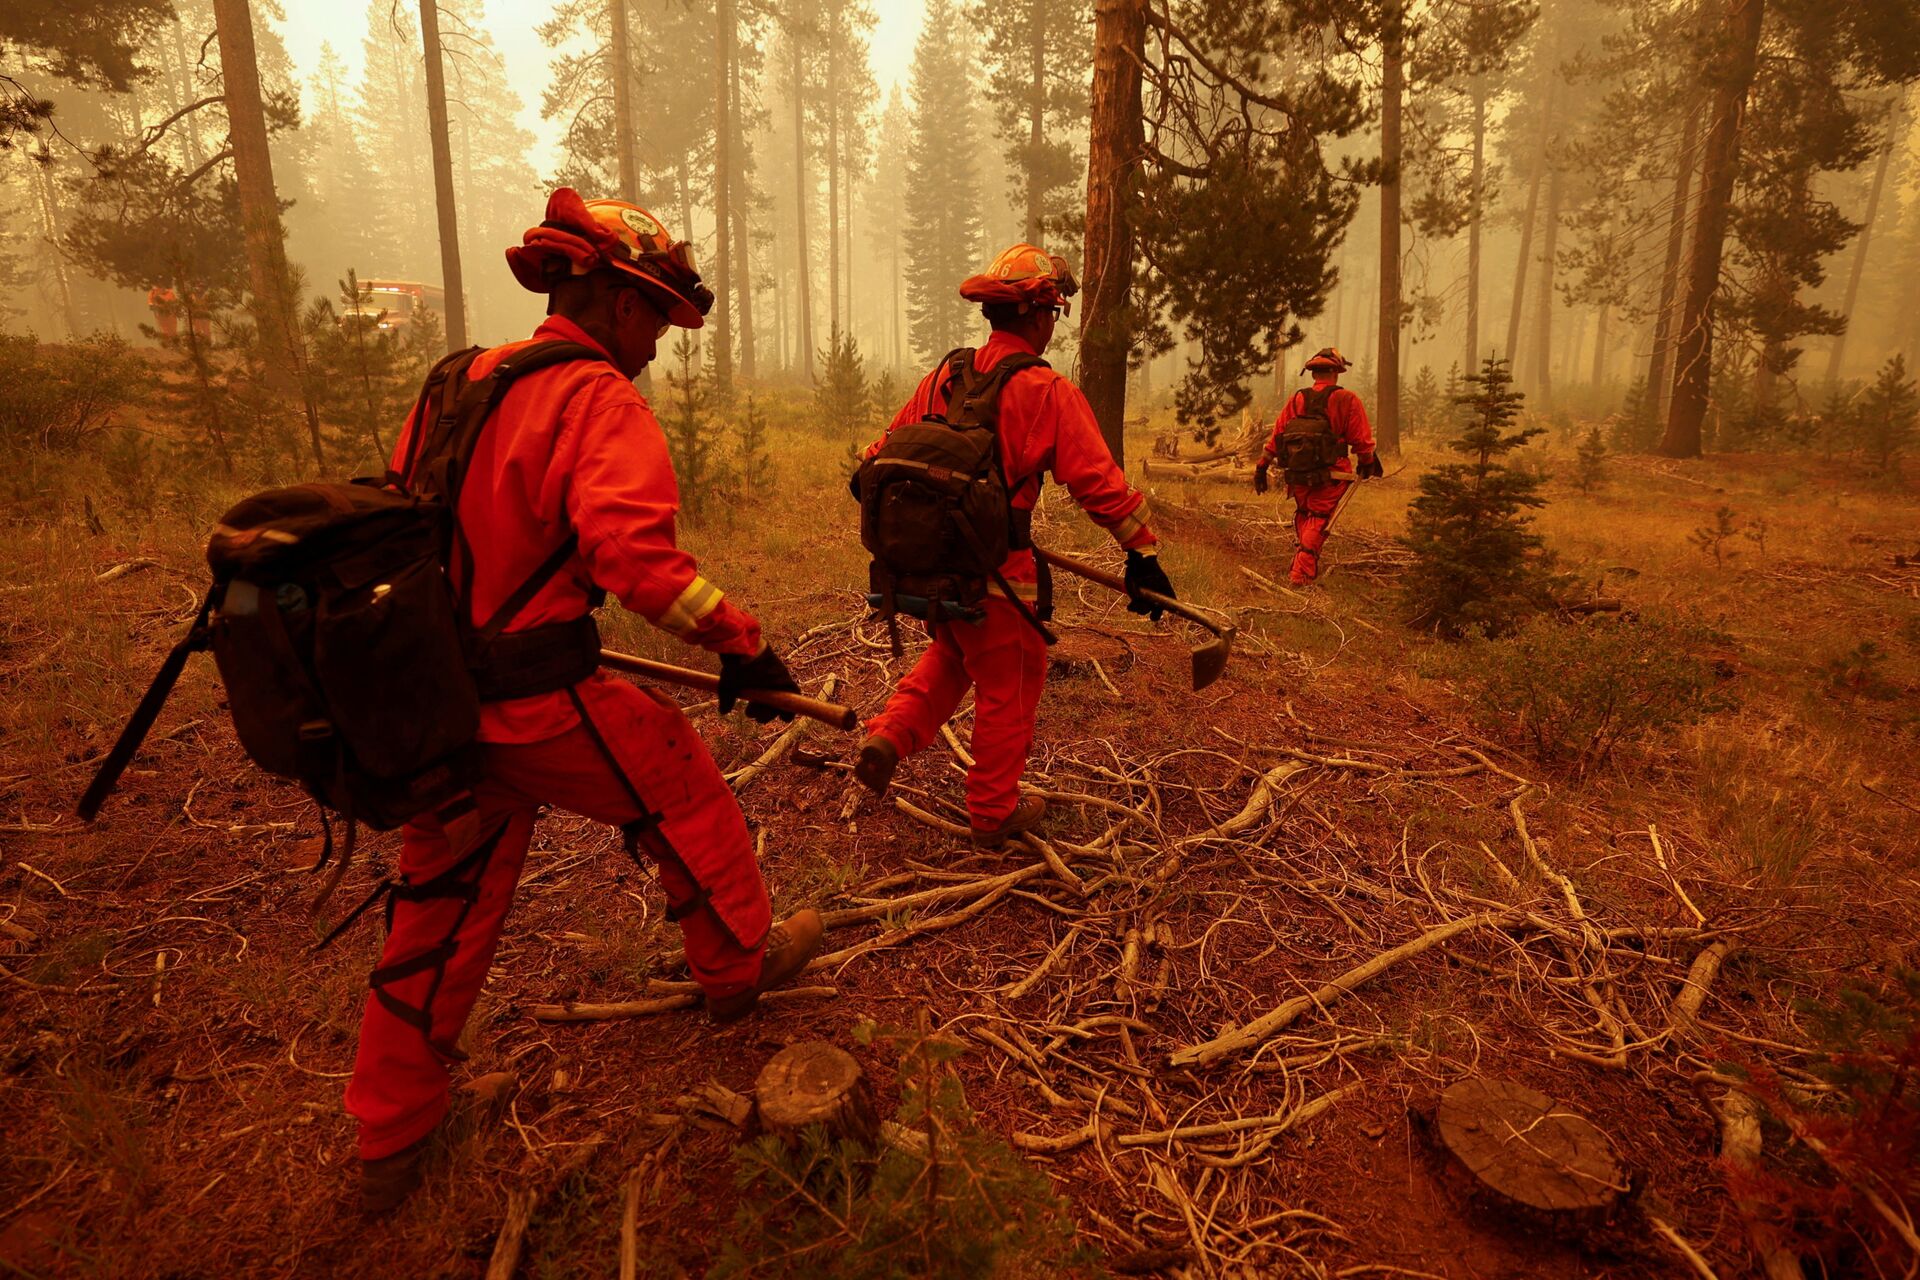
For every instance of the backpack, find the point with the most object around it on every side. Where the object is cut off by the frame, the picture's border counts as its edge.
(936, 511)
(1308, 445)
(350, 664)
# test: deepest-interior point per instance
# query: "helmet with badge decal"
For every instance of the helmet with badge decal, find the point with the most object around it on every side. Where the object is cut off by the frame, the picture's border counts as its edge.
(579, 236)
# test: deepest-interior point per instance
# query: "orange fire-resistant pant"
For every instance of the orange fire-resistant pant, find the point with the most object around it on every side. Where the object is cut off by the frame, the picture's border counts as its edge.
(633, 762)
(1313, 508)
(1004, 660)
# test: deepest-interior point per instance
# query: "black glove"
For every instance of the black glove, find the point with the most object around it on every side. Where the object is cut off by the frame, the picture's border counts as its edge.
(764, 671)
(1260, 476)
(1145, 574)
(1370, 468)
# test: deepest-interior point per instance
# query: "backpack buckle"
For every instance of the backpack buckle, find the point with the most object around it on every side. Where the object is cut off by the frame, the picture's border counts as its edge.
(316, 730)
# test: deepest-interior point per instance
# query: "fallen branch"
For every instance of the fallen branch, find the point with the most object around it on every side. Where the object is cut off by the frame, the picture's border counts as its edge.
(513, 1233)
(1740, 1142)
(1259, 802)
(1054, 1144)
(578, 1011)
(1280, 1120)
(744, 777)
(1233, 1041)
(1684, 1016)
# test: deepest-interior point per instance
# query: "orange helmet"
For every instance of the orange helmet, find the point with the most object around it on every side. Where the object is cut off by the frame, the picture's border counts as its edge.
(579, 236)
(1327, 358)
(1023, 274)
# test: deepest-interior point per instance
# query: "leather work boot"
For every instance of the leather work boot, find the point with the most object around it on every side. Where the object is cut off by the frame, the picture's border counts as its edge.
(1027, 815)
(878, 759)
(790, 945)
(386, 1183)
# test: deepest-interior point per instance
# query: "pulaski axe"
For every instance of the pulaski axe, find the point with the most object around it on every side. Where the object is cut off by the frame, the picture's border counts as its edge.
(1209, 659)
(831, 713)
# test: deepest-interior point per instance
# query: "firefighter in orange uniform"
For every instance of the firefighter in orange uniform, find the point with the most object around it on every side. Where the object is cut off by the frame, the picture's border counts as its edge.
(1044, 424)
(571, 479)
(1315, 432)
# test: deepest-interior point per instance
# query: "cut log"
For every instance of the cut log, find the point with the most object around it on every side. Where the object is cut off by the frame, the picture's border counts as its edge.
(1529, 1152)
(815, 1083)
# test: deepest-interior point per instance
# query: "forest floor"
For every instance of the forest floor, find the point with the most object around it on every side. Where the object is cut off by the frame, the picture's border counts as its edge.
(172, 1056)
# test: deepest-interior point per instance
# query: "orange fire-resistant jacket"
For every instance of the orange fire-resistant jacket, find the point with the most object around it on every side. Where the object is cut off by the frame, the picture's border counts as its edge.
(574, 446)
(1344, 410)
(1045, 425)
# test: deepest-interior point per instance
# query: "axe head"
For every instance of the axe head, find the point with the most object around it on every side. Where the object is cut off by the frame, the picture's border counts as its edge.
(1210, 659)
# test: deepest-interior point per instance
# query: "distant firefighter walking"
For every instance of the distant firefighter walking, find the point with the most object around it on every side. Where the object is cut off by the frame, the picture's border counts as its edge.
(1317, 429)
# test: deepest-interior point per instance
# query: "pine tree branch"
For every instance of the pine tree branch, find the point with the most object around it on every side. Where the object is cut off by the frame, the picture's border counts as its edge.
(191, 178)
(1247, 93)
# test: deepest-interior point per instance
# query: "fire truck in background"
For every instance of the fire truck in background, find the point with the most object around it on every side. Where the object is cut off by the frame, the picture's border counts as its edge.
(393, 304)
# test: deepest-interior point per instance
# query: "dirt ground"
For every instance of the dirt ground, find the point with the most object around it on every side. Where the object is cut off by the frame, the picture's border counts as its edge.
(172, 1054)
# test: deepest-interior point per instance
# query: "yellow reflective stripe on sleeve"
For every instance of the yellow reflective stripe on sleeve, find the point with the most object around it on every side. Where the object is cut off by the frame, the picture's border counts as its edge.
(1133, 522)
(685, 614)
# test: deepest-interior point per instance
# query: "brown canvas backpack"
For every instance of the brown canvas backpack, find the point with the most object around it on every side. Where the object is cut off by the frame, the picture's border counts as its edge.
(1308, 446)
(350, 665)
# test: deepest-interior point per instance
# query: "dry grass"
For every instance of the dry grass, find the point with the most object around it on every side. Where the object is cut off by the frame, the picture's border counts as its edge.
(173, 1056)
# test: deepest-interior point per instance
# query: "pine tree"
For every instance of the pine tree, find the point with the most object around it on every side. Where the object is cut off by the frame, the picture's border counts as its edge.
(1590, 462)
(756, 471)
(1477, 565)
(1636, 427)
(841, 396)
(943, 223)
(688, 428)
(1426, 409)
(1887, 414)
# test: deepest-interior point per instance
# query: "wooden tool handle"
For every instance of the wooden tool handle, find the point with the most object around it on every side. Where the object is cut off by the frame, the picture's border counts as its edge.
(831, 713)
(1113, 583)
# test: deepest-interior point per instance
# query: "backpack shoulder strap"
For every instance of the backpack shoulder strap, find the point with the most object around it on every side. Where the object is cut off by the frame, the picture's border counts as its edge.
(980, 405)
(959, 366)
(465, 404)
(1315, 400)
(429, 411)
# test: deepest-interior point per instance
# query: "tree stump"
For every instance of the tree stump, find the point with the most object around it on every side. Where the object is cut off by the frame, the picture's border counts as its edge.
(815, 1083)
(1530, 1153)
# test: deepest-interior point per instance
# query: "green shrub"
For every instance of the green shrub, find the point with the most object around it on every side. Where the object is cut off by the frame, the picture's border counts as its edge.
(57, 395)
(1574, 691)
(1860, 672)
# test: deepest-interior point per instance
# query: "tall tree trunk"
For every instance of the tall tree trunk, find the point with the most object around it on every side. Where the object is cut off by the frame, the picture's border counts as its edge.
(853, 260)
(50, 228)
(1114, 148)
(1600, 345)
(260, 212)
(196, 154)
(1386, 389)
(1693, 349)
(624, 149)
(1527, 220)
(1543, 316)
(742, 242)
(803, 250)
(833, 171)
(721, 320)
(1660, 364)
(899, 351)
(1477, 196)
(445, 206)
(1839, 353)
(1036, 111)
